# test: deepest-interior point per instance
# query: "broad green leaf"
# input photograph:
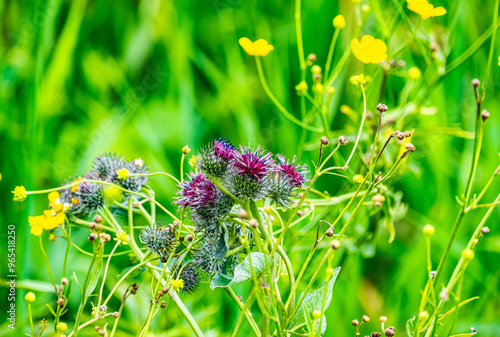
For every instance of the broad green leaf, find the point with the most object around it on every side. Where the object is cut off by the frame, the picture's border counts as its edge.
(313, 302)
(243, 272)
(35, 285)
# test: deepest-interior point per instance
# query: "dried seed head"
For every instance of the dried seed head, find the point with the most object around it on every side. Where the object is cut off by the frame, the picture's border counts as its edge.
(443, 295)
(98, 219)
(335, 244)
(189, 238)
(389, 332)
(242, 214)
(407, 134)
(163, 304)
(410, 147)
(92, 236)
(383, 319)
(324, 140)
(135, 286)
(254, 223)
(382, 107)
(376, 334)
(366, 319)
(311, 58)
(64, 281)
(343, 140)
(485, 115)
(485, 230)
(355, 322)
(400, 136)
(475, 83)
(329, 232)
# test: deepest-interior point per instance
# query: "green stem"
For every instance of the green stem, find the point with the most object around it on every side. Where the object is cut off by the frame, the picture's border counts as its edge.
(31, 320)
(248, 315)
(46, 259)
(360, 129)
(330, 54)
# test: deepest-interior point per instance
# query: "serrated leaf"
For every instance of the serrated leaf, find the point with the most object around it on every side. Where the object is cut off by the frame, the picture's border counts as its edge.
(243, 272)
(313, 302)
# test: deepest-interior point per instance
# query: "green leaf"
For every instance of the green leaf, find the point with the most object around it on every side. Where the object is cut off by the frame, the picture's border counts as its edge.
(35, 285)
(243, 272)
(313, 302)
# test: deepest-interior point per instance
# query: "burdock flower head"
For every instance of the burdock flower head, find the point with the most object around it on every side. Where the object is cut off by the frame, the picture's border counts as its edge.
(159, 238)
(209, 260)
(286, 178)
(189, 275)
(113, 168)
(207, 203)
(249, 174)
(215, 158)
(84, 197)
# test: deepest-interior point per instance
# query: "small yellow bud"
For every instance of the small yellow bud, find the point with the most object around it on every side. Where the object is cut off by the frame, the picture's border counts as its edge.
(339, 22)
(329, 271)
(186, 149)
(383, 319)
(19, 193)
(429, 230)
(358, 179)
(267, 209)
(122, 173)
(30, 297)
(316, 314)
(423, 316)
(301, 88)
(316, 69)
(61, 327)
(414, 73)
(468, 254)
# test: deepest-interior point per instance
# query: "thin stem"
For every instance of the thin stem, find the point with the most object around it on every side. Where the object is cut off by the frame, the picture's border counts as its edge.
(31, 320)
(248, 315)
(106, 273)
(330, 53)
(360, 128)
(46, 259)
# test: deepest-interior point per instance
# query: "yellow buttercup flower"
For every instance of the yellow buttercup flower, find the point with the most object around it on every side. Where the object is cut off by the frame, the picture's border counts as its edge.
(19, 193)
(369, 49)
(122, 173)
(358, 79)
(177, 284)
(51, 218)
(425, 9)
(258, 48)
(122, 237)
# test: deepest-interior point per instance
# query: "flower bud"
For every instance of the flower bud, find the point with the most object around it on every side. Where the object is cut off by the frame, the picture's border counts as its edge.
(92, 236)
(324, 140)
(163, 304)
(383, 319)
(414, 73)
(407, 134)
(60, 302)
(316, 69)
(116, 314)
(186, 149)
(389, 332)
(335, 244)
(267, 209)
(300, 213)
(366, 319)
(339, 22)
(30, 297)
(329, 232)
(358, 178)
(311, 58)
(242, 214)
(343, 140)
(189, 238)
(61, 327)
(64, 281)
(254, 223)
(98, 219)
(316, 314)
(485, 230)
(176, 223)
(429, 230)
(468, 254)
(475, 83)
(52, 237)
(376, 334)
(92, 225)
(382, 107)
(423, 316)
(355, 322)
(443, 295)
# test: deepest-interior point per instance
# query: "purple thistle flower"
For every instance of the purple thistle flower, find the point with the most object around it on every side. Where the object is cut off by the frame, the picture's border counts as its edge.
(296, 173)
(253, 163)
(215, 158)
(224, 149)
(196, 192)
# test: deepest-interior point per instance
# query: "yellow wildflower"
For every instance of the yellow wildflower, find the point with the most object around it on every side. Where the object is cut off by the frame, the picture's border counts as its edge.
(122, 237)
(358, 79)
(258, 48)
(19, 193)
(358, 178)
(193, 160)
(339, 21)
(122, 173)
(75, 201)
(177, 284)
(75, 187)
(425, 9)
(414, 73)
(369, 49)
(429, 230)
(301, 88)
(51, 218)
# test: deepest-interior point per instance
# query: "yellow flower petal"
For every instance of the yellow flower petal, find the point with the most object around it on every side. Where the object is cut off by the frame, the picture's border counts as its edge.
(258, 48)
(55, 201)
(369, 49)
(36, 230)
(19, 193)
(425, 9)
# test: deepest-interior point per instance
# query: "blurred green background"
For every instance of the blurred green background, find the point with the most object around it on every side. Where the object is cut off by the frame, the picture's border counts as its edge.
(144, 78)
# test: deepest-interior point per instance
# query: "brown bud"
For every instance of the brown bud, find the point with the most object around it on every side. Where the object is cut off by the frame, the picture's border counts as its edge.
(343, 140)
(400, 136)
(383, 319)
(92, 236)
(64, 281)
(311, 58)
(135, 286)
(98, 219)
(116, 314)
(163, 304)
(407, 134)
(97, 328)
(254, 223)
(317, 77)
(98, 227)
(133, 291)
(335, 244)
(324, 140)
(189, 238)
(382, 107)
(485, 230)
(176, 223)
(92, 225)
(389, 332)
(181, 238)
(242, 214)
(60, 302)
(395, 133)
(300, 213)
(410, 147)
(329, 231)
(485, 115)
(475, 83)
(376, 334)
(240, 298)
(366, 319)
(355, 322)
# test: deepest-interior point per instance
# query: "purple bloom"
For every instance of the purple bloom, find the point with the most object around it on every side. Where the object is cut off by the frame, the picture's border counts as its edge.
(257, 164)
(224, 149)
(197, 192)
(296, 173)
(215, 158)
